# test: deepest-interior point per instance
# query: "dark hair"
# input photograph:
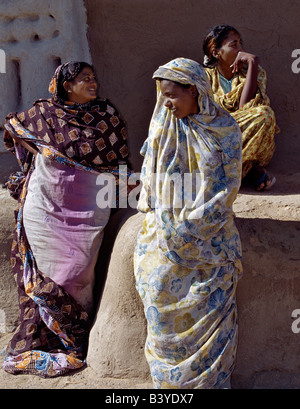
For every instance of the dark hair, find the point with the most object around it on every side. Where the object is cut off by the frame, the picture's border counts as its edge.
(214, 40)
(69, 72)
(175, 82)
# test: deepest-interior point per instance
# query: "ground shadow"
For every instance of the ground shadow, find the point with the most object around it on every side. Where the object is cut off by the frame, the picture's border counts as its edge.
(286, 184)
(116, 221)
(267, 294)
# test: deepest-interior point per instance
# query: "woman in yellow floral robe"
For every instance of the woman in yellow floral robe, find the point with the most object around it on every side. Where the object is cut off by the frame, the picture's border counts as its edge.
(188, 254)
(239, 86)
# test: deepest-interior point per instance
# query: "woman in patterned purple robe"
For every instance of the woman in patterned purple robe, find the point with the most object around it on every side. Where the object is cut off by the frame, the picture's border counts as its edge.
(66, 146)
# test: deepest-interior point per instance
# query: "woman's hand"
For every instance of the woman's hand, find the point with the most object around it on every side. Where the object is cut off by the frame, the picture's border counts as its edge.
(244, 58)
(27, 145)
(250, 86)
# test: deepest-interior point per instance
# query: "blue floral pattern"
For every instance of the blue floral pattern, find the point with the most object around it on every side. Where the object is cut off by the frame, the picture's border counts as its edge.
(188, 257)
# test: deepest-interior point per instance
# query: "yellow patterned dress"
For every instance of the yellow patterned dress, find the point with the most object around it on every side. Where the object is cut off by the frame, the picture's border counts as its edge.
(188, 253)
(256, 118)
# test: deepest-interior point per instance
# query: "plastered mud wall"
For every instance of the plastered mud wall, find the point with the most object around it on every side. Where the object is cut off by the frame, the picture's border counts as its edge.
(129, 39)
(36, 37)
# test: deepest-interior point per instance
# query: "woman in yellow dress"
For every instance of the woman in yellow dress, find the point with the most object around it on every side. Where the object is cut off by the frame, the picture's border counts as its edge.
(188, 253)
(239, 86)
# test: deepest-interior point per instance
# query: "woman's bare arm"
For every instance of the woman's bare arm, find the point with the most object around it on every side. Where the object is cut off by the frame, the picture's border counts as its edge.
(27, 145)
(250, 87)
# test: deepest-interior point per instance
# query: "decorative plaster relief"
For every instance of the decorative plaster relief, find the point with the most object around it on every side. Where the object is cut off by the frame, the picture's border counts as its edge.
(36, 37)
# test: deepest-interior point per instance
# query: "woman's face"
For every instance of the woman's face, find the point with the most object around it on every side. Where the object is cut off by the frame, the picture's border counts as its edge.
(83, 88)
(230, 48)
(180, 101)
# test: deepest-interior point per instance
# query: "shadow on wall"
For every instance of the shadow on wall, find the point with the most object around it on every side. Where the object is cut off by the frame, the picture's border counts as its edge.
(130, 39)
(117, 220)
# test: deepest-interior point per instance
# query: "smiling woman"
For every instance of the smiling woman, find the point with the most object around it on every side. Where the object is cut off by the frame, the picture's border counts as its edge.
(188, 258)
(64, 145)
(180, 99)
(83, 88)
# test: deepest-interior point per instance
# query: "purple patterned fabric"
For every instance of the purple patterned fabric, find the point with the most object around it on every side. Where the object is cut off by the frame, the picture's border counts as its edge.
(53, 332)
